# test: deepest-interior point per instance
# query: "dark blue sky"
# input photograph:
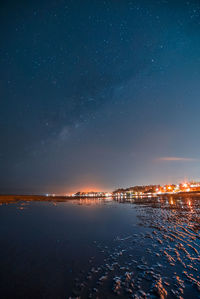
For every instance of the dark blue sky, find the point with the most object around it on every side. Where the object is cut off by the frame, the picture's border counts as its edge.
(98, 94)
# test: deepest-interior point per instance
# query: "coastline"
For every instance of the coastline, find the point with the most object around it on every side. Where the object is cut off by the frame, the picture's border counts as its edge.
(12, 198)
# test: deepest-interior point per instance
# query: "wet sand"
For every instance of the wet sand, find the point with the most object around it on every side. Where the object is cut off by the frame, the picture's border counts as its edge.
(139, 248)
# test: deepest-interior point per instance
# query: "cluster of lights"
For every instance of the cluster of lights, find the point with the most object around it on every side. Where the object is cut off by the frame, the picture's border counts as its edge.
(182, 187)
(135, 194)
(166, 189)
(170, 189)
(92, 194)
(50, 195)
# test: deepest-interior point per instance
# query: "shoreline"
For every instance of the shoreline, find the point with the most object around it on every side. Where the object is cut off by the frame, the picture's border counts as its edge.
(11, 198)
(8, 198)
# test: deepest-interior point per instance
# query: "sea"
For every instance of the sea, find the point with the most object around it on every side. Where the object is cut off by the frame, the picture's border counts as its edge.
(101, 248)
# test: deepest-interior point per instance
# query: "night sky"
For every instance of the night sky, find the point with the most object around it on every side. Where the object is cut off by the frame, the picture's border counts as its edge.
(98, 94)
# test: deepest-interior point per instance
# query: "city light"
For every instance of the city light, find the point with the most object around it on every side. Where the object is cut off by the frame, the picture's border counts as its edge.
(141, 191)
(148, 190)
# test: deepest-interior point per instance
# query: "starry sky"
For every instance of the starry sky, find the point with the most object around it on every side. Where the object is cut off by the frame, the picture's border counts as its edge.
(99, 94)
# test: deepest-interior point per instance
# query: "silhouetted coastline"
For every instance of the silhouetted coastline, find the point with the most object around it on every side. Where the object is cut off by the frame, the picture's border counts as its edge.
(11, 198)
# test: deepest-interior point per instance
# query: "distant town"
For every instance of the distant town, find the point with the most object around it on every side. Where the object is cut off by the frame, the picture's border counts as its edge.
(143, 191)
(147, 190)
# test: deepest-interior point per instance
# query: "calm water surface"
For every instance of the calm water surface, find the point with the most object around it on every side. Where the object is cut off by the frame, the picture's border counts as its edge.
(100, 249)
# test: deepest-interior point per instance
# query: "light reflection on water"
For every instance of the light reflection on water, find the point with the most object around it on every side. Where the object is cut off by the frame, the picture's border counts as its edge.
(99, 248)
